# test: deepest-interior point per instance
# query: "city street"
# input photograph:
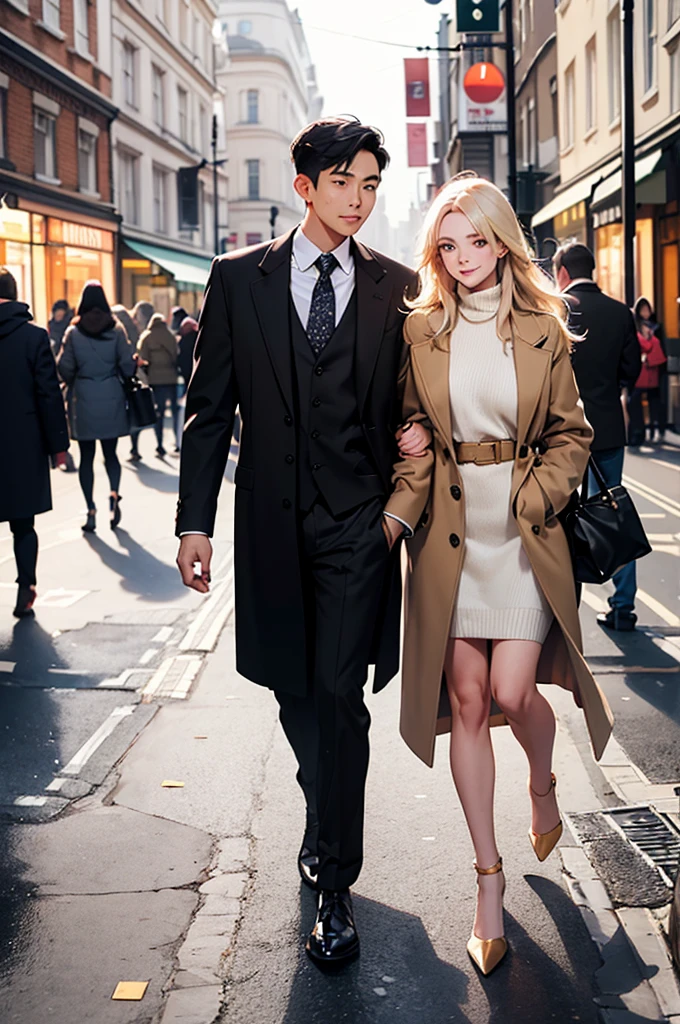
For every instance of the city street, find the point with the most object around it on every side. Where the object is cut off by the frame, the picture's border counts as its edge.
(125, 682)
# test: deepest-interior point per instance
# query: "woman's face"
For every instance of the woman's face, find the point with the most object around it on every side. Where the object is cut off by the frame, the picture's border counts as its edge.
(644, 312)
(467, 255)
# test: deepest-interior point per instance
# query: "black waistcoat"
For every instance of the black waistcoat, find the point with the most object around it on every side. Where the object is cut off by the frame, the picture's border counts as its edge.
(333, 456)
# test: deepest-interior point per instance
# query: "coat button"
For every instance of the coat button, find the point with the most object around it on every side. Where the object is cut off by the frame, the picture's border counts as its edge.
(290, 459)
(318, 370)
(536, 529)
(455, 492)
(538, 461)
(316, 402)
(288, 420)
(287, 503)
(314, 435)
(454, 540)
(523, 452)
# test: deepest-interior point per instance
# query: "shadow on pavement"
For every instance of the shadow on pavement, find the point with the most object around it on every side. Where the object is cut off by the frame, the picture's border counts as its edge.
(638, 650)
(155, 478)
(140, 571)
(16, 908)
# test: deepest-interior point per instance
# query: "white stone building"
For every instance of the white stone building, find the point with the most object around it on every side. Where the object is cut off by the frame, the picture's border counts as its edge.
(163, 73)
(270, 94)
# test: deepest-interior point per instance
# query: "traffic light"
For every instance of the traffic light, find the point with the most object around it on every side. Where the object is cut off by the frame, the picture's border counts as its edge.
(477, 15)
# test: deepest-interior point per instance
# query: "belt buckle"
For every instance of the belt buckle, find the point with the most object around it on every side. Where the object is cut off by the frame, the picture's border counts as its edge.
(495, 456)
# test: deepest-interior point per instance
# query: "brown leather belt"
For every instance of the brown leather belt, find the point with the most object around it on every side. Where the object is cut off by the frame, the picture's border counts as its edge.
(485, 452)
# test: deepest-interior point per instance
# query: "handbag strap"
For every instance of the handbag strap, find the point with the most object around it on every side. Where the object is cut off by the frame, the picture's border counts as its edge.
(600, 480)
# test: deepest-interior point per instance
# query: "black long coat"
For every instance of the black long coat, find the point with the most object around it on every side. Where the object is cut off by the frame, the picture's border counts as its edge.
(243, 357)
(32, 418)
(606, 360)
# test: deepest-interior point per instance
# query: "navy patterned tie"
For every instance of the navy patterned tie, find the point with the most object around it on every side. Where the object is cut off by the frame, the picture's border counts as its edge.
(321, 322)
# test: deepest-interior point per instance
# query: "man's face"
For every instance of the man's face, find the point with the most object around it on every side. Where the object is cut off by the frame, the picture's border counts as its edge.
(342, 200)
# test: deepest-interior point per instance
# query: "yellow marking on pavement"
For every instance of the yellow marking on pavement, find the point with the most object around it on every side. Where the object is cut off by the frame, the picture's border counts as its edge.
(130, 990)
(659, 609)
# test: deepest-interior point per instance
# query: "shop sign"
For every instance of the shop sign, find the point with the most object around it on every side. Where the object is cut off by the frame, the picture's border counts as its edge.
(66, 232)
(482, 100)
(608, 216)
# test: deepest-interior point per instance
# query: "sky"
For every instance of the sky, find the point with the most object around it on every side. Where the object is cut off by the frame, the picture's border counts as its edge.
(367, 78)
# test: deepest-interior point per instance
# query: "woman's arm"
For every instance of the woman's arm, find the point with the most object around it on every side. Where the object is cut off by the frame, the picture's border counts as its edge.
(412, 475)
(125, 354)
(66, 363)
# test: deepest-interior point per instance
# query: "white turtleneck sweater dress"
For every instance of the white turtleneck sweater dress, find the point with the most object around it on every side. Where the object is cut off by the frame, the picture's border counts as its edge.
(499, 597)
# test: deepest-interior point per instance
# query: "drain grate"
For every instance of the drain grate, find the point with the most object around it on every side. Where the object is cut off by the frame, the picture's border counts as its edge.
(652, 834)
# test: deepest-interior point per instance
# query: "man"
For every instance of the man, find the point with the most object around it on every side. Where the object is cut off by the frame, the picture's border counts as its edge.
(32, 417)
(607, 360)
(304, 334)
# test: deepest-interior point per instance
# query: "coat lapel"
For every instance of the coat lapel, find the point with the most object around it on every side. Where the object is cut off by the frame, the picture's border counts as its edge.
(271, 297)
(431, 365)
(373, 295)
(531, 366)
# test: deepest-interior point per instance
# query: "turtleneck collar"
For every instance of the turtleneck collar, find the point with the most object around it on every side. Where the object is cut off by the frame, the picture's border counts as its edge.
(478, 305)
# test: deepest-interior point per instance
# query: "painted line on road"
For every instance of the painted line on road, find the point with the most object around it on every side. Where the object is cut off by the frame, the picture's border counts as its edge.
(80, 759)
(591, 599)
(163, 635)
(664, 502)
(174, 677)
(115, 682)
(668, 465)
(156, 679)
(30, 801)
(668, 645)
(659, 609)
(203, 632)
(148, 655)
(652, 515)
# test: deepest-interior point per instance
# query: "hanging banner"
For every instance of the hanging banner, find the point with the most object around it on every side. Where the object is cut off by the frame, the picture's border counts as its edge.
(417, 75)
(482, 100)
(417, 144)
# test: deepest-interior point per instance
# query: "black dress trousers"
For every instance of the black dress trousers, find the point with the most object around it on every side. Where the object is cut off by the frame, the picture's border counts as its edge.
(344, 562)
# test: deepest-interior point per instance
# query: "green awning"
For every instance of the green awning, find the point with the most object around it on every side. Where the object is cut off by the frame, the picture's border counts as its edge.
(187, 269)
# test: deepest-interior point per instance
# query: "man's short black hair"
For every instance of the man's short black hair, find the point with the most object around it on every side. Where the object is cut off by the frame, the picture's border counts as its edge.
(332, 144)
(576, 258)
(8, 285)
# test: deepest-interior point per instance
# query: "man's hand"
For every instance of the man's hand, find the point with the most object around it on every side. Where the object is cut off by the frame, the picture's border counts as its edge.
(414, 440)
(195, 548)
(392, 530)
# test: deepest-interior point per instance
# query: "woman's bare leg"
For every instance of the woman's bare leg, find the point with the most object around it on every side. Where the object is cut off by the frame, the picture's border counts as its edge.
(473, 770)
(531, 718)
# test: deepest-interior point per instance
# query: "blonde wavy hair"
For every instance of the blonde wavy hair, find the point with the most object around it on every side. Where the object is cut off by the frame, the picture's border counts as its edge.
(524, 287)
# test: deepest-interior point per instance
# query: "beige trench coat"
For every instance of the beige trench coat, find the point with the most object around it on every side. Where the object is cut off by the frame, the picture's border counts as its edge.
(428, 495)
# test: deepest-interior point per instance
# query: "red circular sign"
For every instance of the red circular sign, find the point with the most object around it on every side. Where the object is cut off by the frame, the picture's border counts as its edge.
(484, 83)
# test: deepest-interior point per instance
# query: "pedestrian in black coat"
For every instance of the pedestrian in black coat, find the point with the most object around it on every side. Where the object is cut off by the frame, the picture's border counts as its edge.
(32, 418)
(188, 332)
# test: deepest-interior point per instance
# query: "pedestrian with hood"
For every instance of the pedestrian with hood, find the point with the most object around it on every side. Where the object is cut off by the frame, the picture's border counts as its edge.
(177, 315)
(62, 314)
(95, 356)
(157, 353)
(188, 332)
(32, 414)
(648, 384)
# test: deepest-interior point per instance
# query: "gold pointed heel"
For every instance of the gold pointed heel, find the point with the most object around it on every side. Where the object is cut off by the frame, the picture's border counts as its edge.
(544, 843)
(486, 954)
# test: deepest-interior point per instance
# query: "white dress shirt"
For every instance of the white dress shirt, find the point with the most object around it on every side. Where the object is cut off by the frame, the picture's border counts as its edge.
(303, 277)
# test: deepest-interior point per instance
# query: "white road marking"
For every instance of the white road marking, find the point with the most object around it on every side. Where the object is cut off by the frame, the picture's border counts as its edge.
(662, 538)
(148, 655)
(652, 515)
(80, 759)
(669, 645)
(162, 636)
(55, 785)
(7, 666)
(668, 465)
(591, 599)
(658, 608)
(157, 678)
(30, 801)
(664, 502)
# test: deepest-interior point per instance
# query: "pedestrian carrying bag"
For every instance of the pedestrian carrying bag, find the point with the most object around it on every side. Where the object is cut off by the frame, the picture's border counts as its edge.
(604, 532)
(140, 403)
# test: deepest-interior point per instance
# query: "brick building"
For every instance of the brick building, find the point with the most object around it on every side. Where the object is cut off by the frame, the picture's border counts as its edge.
(58, 225)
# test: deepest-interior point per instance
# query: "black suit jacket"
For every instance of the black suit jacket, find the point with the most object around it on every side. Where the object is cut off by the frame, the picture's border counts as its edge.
(607, 359)
(32, 417)
(244, 357)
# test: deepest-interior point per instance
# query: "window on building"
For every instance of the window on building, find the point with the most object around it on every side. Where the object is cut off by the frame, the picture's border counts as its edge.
(253, 169)
(244, 28)
(252, 106)
(45, 143)
(531, 131)
(158, 92)
(81, 31)
(673, 11)
(3, 124)
(163, 11)
(649, 36)
(674, 57)
(129, 173)
(523, 22)
(160, 200)
(614, 64)
(50, 13)
(523, 134)
(591, 85)
(129, 74)
(183, 108)
(87, 161)
(569, 106)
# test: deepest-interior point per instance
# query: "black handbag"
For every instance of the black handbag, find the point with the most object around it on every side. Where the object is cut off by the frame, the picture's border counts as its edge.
(140, 403)
(604, 532)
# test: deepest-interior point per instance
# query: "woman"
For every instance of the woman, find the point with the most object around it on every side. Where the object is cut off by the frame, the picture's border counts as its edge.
(95, 356)
(649, 382)
(157, 353)
(186, 343)
(491, 602)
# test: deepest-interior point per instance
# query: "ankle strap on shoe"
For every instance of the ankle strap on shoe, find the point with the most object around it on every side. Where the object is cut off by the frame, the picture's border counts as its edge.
(553, 783)
(493, 870)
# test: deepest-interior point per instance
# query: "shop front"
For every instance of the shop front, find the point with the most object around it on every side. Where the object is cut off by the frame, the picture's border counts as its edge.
(162, 276)
(52, 257)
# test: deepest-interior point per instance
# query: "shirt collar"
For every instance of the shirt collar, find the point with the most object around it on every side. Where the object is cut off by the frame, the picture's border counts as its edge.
(579, 280)
(305, 253)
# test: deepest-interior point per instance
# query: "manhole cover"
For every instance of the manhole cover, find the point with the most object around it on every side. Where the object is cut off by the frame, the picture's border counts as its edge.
(652, 834)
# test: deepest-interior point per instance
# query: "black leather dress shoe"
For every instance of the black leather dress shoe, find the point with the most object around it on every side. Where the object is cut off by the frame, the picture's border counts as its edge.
(308, 866)
(334, 938)
(624, 622)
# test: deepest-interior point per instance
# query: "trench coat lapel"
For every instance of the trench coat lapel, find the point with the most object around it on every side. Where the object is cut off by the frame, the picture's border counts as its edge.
(271, 296)
(532, 363)
(431, 365)
(373, 293)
